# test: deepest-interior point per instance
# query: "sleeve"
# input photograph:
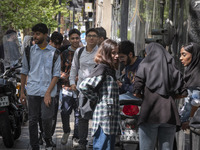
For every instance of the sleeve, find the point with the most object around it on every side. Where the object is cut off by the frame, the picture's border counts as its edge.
(127, 86)
(74, 68)
(57, 67)
(24, 69)
(88, 85)
(138, 85)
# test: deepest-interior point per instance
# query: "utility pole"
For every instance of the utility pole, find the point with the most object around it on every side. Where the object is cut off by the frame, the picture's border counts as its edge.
(124, 20)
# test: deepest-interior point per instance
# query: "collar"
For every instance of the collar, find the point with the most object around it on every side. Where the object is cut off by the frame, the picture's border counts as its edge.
(70, 49)
(48, 47)
(94, 49)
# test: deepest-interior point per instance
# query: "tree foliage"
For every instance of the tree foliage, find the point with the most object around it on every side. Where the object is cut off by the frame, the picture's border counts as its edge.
(23, 14)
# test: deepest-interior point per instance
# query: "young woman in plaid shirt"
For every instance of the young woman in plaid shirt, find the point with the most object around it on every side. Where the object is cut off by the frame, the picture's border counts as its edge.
(106, 115)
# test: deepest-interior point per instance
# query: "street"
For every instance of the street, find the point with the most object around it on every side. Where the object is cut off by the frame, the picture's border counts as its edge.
(23, 142)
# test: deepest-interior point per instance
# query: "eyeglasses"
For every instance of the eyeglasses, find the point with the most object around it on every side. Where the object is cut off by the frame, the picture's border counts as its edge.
(74, 38)
(91, 36)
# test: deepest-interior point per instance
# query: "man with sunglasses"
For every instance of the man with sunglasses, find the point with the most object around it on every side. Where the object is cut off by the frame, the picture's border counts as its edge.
(82, 67)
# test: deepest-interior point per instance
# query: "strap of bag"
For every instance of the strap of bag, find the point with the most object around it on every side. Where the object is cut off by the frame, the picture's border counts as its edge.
(55, 57)
(79, 55)
(27, 53)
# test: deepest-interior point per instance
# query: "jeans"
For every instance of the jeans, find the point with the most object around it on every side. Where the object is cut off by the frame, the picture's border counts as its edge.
(83, 130)
(69, 104)
(38, 108)
(127, 96)
(54, 120)
(55, 114)
(102, 141)
(83, 125)
(150, 133)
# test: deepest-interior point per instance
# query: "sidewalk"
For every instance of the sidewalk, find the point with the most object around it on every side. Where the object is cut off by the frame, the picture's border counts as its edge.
(23, 142)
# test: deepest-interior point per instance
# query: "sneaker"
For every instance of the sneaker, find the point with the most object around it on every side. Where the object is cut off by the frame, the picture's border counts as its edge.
(64, 138)
(80, 147)
(75, 142)
(48, 146)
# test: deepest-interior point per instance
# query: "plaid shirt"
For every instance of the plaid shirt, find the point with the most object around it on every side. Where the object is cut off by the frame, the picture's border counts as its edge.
(106, 114)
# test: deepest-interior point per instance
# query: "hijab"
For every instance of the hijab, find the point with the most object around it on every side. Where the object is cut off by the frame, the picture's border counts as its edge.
(158, 70)
(192, 72)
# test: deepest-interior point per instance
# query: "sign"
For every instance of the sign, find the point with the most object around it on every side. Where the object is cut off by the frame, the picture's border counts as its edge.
(88, 7)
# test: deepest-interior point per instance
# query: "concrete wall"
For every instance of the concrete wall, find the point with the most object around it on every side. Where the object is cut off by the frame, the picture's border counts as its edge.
(104, 15)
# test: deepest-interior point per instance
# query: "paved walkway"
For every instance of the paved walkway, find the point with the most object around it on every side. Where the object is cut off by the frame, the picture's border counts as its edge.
(23, 142)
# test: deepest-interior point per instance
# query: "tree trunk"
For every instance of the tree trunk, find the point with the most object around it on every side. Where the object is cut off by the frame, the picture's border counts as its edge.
(124, 20)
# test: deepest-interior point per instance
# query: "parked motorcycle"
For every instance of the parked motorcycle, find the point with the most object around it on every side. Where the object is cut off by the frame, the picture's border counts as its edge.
(10, 108)
(11, 111)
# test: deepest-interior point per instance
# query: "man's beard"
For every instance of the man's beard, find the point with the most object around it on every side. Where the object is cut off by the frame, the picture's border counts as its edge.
(39, 41)
(128, 61)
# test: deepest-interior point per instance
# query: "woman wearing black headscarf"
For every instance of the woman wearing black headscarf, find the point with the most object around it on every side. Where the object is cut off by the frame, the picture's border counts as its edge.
(190, 58)
(157, 80)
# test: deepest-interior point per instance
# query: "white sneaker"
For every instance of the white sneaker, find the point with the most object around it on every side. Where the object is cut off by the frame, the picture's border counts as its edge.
(75, 142)
(64, 138)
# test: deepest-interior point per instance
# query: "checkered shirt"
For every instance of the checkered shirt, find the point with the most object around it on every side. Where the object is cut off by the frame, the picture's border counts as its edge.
(106, 114)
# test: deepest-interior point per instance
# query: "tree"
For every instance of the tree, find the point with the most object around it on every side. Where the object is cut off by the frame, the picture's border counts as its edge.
(23, 14)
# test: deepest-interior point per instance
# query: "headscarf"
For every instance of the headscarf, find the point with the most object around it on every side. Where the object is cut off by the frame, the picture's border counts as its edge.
(158, 70)
(192, 72)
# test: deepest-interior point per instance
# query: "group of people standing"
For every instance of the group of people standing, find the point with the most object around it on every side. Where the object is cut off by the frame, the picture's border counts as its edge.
(80, 75)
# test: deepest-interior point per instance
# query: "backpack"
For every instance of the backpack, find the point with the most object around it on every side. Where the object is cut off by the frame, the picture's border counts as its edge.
(79, 55)
(27, 53)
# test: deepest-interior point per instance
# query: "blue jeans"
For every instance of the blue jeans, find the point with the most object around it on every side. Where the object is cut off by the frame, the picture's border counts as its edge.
(127, 96)
(149, 133)
(69, 104)
(102, 141)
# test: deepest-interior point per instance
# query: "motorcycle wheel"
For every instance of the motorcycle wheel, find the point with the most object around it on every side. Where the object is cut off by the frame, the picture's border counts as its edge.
(17, 130)
(6, 131)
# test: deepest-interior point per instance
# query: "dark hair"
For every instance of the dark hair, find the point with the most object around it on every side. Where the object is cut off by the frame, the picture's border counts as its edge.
(56, 38)
(125, 47)
(188, 47)
(102, 32)
(92, 30)
(74, 31)
(104, 53)
(10, 31)
(41, 27)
